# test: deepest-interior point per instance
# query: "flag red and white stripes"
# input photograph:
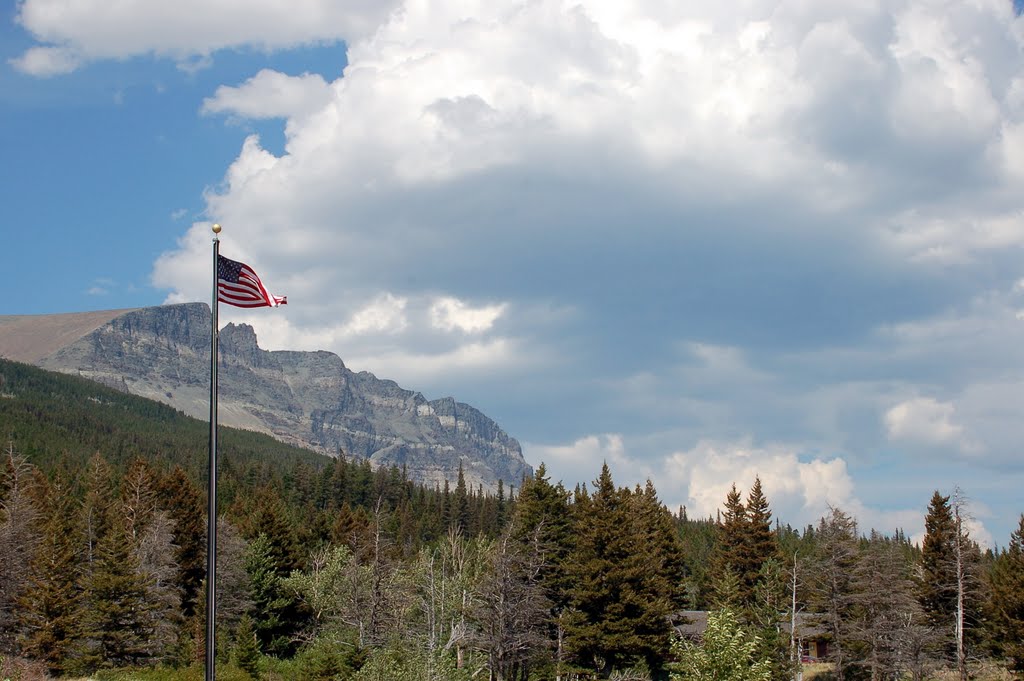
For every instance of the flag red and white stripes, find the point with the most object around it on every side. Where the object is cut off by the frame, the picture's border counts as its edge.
(238, 285)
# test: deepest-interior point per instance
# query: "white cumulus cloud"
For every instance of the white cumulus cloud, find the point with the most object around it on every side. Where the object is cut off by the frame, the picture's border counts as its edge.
(270, 94)
(927, 421)
(78, 31)
(450, 314)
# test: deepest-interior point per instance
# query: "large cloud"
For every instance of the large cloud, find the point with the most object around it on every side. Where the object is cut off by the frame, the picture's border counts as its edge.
(774, 222)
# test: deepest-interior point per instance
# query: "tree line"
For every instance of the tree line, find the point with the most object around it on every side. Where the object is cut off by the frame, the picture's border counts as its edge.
(329, 569)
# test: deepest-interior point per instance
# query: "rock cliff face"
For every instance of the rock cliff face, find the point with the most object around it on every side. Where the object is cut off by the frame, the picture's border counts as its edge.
(306, 398)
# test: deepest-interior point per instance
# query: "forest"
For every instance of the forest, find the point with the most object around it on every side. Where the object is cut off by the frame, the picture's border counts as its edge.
(329, 569)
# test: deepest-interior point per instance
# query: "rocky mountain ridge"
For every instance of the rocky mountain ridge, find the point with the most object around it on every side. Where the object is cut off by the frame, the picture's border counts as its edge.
(310, 399)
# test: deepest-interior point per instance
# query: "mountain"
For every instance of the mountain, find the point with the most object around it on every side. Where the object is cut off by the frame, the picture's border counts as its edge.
(310, 399)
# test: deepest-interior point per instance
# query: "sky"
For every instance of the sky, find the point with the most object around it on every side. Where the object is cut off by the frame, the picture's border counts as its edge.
(697, 241)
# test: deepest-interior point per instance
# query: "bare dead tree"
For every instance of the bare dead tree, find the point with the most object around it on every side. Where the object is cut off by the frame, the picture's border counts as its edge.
(511, 610)
(966, 554)
(18, 537)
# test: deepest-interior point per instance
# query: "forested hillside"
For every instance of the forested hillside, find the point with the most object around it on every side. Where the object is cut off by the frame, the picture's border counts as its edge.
(330, 570)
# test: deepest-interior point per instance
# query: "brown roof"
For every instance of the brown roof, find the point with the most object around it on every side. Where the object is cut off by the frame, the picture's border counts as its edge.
(693, 623)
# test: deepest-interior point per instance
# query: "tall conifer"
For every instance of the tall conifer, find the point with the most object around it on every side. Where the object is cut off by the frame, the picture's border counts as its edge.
(621, 597)
(187, 511)
(119, 624)
(730, 553)
(937, 586)
(1007, 601)
(760, 544)
(50, 610)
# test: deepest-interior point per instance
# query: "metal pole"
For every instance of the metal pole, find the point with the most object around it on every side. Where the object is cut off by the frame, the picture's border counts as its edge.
(211, 509)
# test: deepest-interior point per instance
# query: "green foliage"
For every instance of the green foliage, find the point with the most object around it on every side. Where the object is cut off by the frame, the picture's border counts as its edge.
(225, 672)
(626, 581)
(745, 543)
(118, 623)
(247, 649)
(398, 662)
(1007, 601)
(359, 565)
(273, 605)
(937, 590)
(726, 653)
(50, 611)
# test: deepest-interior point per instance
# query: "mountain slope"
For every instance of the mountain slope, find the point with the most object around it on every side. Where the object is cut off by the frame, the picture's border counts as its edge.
(304, 398)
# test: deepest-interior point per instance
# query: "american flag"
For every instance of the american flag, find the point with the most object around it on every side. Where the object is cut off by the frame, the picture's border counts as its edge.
(238, 285)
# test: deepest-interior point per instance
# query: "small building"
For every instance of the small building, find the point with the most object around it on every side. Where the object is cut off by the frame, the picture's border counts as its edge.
(811, 638)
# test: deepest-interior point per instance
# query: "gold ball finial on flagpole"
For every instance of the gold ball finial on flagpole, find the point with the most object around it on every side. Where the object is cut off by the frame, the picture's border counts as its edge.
(216, 228)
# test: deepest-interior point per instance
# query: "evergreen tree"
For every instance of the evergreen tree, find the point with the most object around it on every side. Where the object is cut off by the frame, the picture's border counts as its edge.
(745, 542)
(656, 549)
(273, 607)
(759, 545)
(831, 589)
(270, 518)
(937, 588)
(543, 518)
(186, 510)
(619, 606)
(50, 610)
(592, 628)
(119, 621)
(1006, 603)
(459, 508)
(949, 588)
(729, 555)
(247, 650)
(97, 513)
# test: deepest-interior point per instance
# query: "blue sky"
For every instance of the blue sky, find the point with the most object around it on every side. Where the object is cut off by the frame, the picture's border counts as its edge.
(698, 243)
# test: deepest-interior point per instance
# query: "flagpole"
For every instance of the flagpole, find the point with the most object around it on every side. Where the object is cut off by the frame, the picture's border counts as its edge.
(211, 509)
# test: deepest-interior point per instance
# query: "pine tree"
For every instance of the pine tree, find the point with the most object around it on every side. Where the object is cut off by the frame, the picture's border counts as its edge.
(247, 649)
(100, 495)
(186, 509)
(543, 513)
(656, 551)
(948, 590)
(591, 626)
(760, 544)
(621, 598)
(1006, 603)
(50, 610)
(936, 591)
(729, 555)
(119, 622)
(831, 583)
(459, 509)
(273, 607)
(543, 517)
